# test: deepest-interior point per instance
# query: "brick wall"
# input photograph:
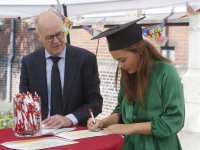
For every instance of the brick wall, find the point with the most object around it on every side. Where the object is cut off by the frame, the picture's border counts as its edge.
(180, 34)
(108, 91)
(81, 38)
(26, 42)
(5, 39)
(4, 51)
(16, 71)
(3, 77)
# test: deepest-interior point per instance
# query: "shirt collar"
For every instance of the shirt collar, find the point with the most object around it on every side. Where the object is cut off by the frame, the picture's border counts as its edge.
(62, 55)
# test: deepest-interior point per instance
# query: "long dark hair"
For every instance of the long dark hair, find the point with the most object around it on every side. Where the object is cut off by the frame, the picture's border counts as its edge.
(137, 84)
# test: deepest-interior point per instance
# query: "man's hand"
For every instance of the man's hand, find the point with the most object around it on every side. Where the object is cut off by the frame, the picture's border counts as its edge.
(57, 121)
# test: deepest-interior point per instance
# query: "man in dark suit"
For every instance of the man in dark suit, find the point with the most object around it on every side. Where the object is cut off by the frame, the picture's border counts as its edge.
(78, 70)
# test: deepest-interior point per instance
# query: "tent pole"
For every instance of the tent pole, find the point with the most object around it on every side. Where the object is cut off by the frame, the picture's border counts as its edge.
(65, 14)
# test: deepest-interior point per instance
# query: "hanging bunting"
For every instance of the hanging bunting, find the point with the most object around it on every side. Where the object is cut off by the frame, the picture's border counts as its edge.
(19, 18)
(30, 20)
(155, 34)
(190, 10)
(99, 24)
(153, 31)
(2, 21)
(107, 43)
(96, 28)
(160, 40)
(88, 29)
(68, 25)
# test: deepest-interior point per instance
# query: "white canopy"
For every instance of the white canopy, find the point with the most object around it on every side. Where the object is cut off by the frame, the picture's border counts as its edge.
(82, 7)
(73, 10)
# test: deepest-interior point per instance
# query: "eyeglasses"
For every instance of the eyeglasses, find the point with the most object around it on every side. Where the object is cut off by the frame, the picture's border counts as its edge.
(50, 38)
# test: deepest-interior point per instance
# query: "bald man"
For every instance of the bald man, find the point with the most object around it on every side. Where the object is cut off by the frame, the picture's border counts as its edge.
(78, 76)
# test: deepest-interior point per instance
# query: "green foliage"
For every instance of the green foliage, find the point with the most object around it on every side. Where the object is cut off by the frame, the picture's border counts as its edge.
(6, 119)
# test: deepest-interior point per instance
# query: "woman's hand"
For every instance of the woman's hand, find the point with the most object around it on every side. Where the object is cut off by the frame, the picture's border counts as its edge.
(123, 129)
(112, 119)
(94, 127)
(128, 129)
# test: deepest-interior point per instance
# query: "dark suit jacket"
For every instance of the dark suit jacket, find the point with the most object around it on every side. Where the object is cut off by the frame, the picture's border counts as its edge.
(81, 83)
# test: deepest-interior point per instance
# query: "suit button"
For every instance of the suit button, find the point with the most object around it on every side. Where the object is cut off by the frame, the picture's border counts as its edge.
(45, 114)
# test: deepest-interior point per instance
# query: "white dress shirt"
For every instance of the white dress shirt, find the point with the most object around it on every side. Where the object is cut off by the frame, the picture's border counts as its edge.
(61, 66)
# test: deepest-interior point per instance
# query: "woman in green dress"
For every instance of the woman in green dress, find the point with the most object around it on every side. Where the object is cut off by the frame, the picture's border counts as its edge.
(150, 99)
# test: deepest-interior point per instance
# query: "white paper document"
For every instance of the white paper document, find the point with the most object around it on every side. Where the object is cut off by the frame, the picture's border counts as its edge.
(41, 143)
(80, 134)
(47, 131)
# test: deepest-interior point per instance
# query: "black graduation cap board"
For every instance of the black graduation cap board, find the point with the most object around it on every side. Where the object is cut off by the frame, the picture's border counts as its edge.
(122, 36)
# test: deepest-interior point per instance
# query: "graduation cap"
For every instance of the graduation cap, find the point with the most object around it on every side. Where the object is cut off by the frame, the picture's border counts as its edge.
(122, 36)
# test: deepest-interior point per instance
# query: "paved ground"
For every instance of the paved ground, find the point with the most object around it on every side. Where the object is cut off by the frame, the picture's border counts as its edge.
(5, 106)
(189, 140)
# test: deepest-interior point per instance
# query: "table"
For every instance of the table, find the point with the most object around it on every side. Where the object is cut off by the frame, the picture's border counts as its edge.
(108, 142)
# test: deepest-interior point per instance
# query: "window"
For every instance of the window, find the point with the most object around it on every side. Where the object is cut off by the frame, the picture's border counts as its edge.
(168, 52)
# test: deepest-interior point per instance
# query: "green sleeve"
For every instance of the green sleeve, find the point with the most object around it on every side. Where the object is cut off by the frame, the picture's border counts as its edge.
(119, 99)
(172, 119)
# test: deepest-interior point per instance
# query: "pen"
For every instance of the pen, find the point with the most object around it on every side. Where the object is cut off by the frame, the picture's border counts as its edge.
(91, 114)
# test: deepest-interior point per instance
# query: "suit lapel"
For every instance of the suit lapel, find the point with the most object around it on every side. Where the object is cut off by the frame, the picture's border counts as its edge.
(70, 70)
(40, 65)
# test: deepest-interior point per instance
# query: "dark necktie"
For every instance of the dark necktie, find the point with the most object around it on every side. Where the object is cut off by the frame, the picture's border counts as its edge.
(56, 91)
